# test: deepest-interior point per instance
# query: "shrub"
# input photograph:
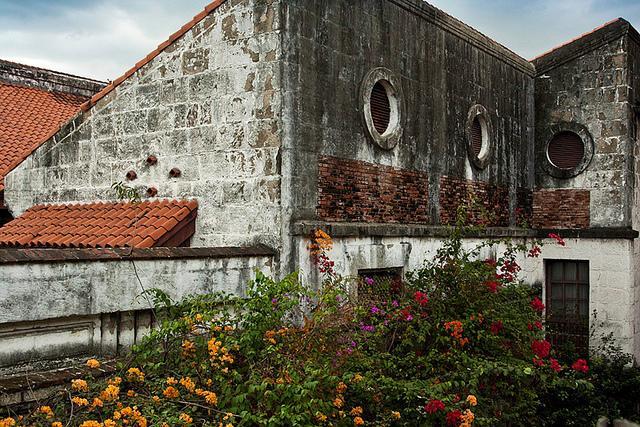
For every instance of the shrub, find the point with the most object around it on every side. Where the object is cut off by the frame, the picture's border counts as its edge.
(460, 342)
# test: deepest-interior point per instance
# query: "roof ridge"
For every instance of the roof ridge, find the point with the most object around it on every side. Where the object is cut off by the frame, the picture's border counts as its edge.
(49, 70)
(577, 38)
(157, 51)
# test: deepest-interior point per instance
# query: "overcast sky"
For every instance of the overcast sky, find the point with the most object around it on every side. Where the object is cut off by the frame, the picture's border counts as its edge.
(104, 38)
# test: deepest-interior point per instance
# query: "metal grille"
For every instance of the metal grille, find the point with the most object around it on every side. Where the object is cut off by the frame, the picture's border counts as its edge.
(566, 150)
(476, 137)
(380, 108)
(567, 301)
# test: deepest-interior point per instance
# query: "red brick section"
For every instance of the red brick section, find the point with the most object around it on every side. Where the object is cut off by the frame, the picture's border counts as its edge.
(102, 225)
(484, 204)
(561, 208)
(29, 116)
(356, 191)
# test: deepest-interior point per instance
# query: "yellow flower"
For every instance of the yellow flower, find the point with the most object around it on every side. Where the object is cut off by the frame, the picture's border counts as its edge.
(135, 374)
(90, 423)
(115, 381)
(97, 403)
(395, 415)
(472, 400)
(80, 401)
(171, 381)
(188, 383)
(321, 417)
(171, 392)
(131, 393)
(46, 410)
(185, 418)
(357, 378)
(7, 422)
(188, 348)
(109, 423)
(468, 416)
(110, 393)
(59, 424)
(79, 385)
(210, 397)
(338, 402)
(357, 411)
(358, 421)
(341, 388)
(156, 399)
(93, 363)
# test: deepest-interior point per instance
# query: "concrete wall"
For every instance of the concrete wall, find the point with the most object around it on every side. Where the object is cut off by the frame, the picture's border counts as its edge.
(444, 69)
(209, 104)
(611, 268)
(62, 308)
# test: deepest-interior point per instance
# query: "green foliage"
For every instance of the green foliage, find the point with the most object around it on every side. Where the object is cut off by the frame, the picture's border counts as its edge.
(458, 342)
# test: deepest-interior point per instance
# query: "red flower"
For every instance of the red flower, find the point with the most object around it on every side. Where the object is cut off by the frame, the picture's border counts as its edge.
(580, 365)
(538, 362)
(557, 238)
(537, 325)
(421, 298)
(434, 406)
(534, 252)
(496, 327)
(541, 348)
(537, 305)
(492, 286)
(553, 364)
(490, 262)
(453, 418)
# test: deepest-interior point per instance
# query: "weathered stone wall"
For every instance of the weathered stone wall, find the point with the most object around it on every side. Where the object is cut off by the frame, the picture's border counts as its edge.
(444, 67)
(355, 191)
(86, 304)
(482, 203)
(589, 87)
(209, 104)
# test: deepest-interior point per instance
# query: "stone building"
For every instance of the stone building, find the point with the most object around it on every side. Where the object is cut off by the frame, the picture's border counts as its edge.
(262, 120)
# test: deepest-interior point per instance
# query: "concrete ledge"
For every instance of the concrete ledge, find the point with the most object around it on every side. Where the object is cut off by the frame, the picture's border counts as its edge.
(357, 229)
(17, 256)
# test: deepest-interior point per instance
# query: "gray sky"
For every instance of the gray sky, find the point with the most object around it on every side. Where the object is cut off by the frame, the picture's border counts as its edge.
(104, 38)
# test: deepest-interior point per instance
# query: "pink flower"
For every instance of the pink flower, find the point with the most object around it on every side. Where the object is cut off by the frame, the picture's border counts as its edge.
(580, 365)
(557, 238)
(434, 406)
(369, 281)
(537, 305)
(541, 348)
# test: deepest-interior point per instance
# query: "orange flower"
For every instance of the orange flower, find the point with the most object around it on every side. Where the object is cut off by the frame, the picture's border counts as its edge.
(358, 421)
(93, 363)
(395, 415)
(357, 411)
(472, 400)
(188, 384)
(110, 393)
(341, 387)
(135, 374)
(171, 393)
(185, 418)
(338, 402)
(79, 385)
(59, 424)
(80, 401)
(46, 410)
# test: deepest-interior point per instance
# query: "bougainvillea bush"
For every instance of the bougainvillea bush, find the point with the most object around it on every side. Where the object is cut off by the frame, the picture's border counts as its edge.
(459, 342)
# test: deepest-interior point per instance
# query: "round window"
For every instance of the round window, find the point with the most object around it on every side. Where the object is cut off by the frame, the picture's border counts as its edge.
(381, 97)
(565, 150)
(479, 145)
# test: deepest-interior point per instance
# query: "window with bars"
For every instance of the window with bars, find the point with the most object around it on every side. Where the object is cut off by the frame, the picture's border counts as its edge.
(380, 108)
(381, 283)
(566, 150)
(567, 305)
(476, 137)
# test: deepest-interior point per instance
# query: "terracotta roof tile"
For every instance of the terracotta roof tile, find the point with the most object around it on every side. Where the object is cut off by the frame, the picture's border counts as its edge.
(28, 116)
(99, 225)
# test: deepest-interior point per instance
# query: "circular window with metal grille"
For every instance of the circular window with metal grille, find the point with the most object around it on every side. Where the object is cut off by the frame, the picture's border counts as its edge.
(568, 149)
(565, 150)
(479, 146)
(381, 96)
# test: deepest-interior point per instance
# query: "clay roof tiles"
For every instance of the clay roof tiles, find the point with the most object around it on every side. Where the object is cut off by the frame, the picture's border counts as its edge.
(99, 225)
(28, 116)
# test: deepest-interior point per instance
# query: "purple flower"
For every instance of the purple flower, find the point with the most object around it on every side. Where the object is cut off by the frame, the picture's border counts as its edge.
(368, 328)
(375, 310)
(338, 298)
(369, 281)
(409, 318)
(395, 303)
(274, 301)
(353, 344)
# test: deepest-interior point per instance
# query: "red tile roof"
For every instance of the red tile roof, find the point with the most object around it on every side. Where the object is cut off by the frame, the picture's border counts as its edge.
(29, 116)
(157, 51)
(100, 225)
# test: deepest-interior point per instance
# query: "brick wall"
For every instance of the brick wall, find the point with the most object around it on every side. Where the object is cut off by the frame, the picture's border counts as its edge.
(561, 208)
(485, 204)
(356, 191)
